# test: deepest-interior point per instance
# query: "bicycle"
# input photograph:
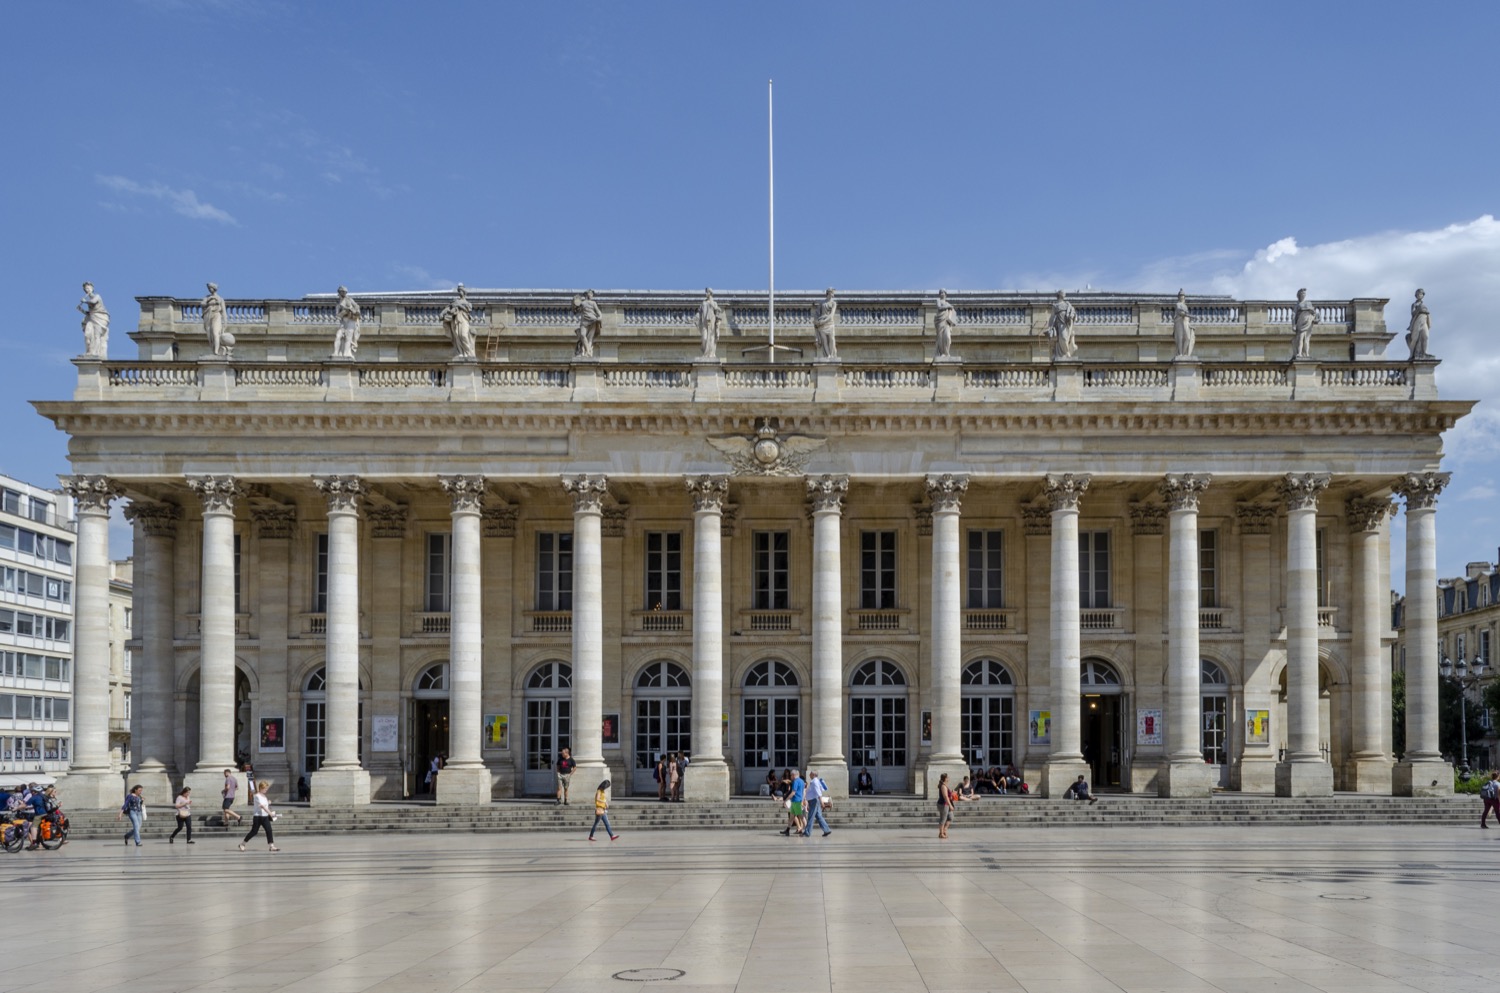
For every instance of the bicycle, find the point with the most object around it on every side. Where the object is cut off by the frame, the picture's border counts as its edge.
(52, 830)
(14, 831)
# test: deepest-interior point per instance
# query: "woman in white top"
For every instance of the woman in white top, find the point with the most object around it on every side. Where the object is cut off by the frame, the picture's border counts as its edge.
(263, 816)
(184, 805)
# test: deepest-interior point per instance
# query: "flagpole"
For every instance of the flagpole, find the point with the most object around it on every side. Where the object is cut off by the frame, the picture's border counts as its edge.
(770, 347)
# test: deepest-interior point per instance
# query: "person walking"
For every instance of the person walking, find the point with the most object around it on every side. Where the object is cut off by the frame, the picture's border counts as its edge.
(660, 774)
(263, 816)
(945, 806)
(817, 791)
(229, 792)
(134, 809)
(681, 779)
(601, 812)
(564, 770)
(794, 813)
(184, 807)
(674, 778)
(1490, 794)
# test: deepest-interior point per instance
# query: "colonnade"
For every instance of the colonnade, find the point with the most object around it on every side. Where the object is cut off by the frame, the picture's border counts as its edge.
(342, 780)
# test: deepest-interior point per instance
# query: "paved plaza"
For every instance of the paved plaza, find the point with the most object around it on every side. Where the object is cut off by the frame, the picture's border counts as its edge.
(1071, 910)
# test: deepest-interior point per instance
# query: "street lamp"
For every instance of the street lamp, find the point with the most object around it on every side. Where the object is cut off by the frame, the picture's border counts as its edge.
(1447, 668)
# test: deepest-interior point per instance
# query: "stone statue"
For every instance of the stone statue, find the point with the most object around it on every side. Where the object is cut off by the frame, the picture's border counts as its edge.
(711, 324)
(826, 326)
(346, 342)
(1060, 328)
(215, 316)
(1182, 327)
(1304, 319)
(456, 320)
(95, 324)
(1417, 332)
(943, 322)
(590, 323)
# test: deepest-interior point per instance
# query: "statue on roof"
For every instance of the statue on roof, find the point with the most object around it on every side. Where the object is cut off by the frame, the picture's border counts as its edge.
(1060, 328)
(346, 342)
(215, 317)
(1182, 327)
(95, 324)
(1420, 328)
(826, 326)
(590, 323)
(943, 323)
(1304, 319)
(711, 324)
(456, 321)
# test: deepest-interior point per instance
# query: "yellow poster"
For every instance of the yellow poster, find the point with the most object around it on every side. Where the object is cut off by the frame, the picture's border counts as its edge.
(497, 732)
(1257, 727)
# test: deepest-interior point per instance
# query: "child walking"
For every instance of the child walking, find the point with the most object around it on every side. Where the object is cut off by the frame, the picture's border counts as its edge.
(601, 812)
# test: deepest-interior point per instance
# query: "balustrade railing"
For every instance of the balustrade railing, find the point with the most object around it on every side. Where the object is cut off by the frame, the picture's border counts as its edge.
(279, 374)
(667, 316)
(890, 378)
(993, 316)
(1008, 377)
(1207, 314)
(328, 313)
(1245, 375)
(1095, 315)
(888, 619)
(768, 378)
(125, 375)
(391, 376)
(431, 622)
(1371, 375)
(545, 317)
(990, 620)
(772, 621)
(757, 317)
(662, 621)
(432, 314)
(862, 315)
(1095, 619)
(1328, 313)
(648, 378)
(518, 376)
(550, 621)
(1124, 376)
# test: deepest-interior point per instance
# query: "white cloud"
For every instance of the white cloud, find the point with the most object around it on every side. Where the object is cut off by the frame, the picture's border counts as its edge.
(184, 202)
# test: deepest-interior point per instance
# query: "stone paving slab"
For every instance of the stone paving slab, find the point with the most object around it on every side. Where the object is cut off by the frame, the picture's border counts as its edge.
(1370, 908)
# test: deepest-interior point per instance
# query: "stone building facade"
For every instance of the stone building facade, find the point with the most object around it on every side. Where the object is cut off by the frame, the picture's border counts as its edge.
(1165, 572)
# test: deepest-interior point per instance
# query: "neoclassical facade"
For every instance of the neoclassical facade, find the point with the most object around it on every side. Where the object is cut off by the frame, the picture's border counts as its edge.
(917, 537)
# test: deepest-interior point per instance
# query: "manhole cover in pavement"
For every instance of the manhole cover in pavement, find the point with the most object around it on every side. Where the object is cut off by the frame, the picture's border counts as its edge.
(649, 975)
(1341, 896)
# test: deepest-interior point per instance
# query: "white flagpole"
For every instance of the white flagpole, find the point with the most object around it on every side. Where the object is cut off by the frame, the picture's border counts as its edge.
(771, 206)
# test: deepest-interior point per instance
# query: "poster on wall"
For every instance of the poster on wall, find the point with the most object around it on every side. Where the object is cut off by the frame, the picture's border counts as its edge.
(1041, 727)
(926, 727)
(383, 733)
(1148, 727)
(273, 734)
(497, 732)
(611, 730)
(1257, 727)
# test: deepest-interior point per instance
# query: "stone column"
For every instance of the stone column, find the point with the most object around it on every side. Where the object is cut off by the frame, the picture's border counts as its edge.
(216, 635)
(465, 780)
(946, 493)
(588, 625)
(1422, 771)
(90, 783)
(1183, 772)
(154, 678)
(1370, 766)
(1065, 757)
(1253, 767)
(1303, 771)
(342, 781)
(275, 527)
(708, 773)
(827, 495)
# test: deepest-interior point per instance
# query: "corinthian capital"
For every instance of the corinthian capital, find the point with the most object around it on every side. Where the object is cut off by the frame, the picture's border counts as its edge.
(1065, 489)
(1300, 490)
(275, 522)
(90, 492)
(467, 492)
(1181, 490)
(946, 492)
(343, 492)
(218, 493)
(1421, 489)
(589, 491)
(157, 520)
(827, 492)
(1366, 514)
(709, 492)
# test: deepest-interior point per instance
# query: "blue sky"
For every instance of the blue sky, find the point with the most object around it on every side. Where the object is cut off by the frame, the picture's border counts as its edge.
(282, 148)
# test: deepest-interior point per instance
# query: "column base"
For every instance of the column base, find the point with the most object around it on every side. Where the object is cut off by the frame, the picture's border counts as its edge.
(1371, 776)
(1177, 779)
(1424, 777)
(707, 781)
(956, 769)
(468, 787)
(1254, 774)
(589, 773)
(834, 772)
(102, 791)
(342, 787)
(1304, 779)
(1058, 774)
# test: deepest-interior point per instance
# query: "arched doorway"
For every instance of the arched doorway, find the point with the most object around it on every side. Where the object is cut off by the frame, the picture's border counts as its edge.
(989, 714)
(189, 718)
(770, 723)
(1214, 719)
(427, 723)
(549, 707)
(1102, 722)
(315, 721)
(1328, 744)
(663, 719)
(877, 723)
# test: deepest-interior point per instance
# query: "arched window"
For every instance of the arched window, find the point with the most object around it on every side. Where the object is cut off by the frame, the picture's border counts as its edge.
(433, 680)
(878, 672)
(770, 722)
(551, 676)
(1097, 672)
(662, 675)
(1215, 690)
(771, 673)
(663, 719)
(549, 711)
(987, 698)
(878, 724)
(986, 672)
(315, 720)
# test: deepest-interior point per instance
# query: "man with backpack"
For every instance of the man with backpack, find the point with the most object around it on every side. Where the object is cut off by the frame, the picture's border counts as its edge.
(1490, 794)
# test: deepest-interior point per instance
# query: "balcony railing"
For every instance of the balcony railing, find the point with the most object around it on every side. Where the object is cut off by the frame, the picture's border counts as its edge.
(1096, 619)
(1215, 619)
(886, 619)
(431, 622)
(662, 621)
(772, 621)
(995, 619)
(549, 621)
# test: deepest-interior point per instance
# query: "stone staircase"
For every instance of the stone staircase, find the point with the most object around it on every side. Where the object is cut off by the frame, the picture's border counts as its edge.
(891, 813)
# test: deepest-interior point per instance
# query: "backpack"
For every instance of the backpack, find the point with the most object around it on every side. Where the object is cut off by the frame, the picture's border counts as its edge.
(1490, 790)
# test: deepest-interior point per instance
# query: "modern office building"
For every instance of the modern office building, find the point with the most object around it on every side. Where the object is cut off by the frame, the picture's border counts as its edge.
(1124, 537)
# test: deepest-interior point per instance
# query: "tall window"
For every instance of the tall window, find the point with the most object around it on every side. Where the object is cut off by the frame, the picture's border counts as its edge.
(1460, 647)
(1215, 689)
(663, 570)
(877, 570)
(320, 574)
(1484, 646)
(985, 572)
(439, 549)
(554, 570)
(237, 574)
(770, 558)
(1322, 573)
(1208, 568)
(1093, 570)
